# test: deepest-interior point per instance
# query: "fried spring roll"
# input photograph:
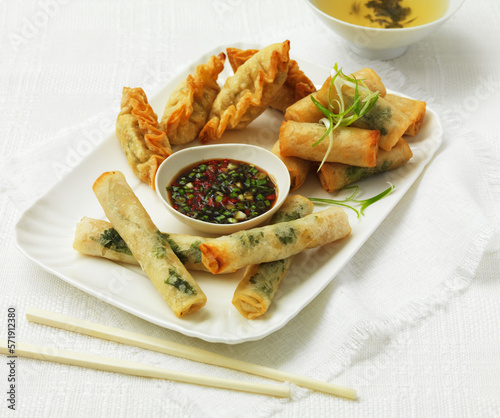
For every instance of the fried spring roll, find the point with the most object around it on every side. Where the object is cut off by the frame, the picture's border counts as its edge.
(149, 246)
(298, 168)
(256, 290)
(351, 146)
(98, 238)
(302, 111)
(383, 116)
(274, 242)
(414, 109)
(334, 176)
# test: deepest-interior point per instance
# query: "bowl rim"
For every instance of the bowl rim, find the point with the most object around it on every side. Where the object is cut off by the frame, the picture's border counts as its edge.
(278, 176)
(450, 11)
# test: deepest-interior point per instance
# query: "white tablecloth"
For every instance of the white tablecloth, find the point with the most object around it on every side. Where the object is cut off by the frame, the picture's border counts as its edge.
(411, 322)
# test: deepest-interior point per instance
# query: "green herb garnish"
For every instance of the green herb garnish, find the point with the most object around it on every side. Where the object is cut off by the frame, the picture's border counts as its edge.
(351, 199)
(346, 114)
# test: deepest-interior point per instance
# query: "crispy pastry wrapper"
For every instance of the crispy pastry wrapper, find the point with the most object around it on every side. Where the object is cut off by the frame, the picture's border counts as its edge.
(351, 146)
(145, 145)
(297, 85)
(255, 292)
(189, 105)
(274, 242)
(335, 176)
(98, 238)
(414, 109)
(383, 116)
(298, 168)
(149, 246)
(247, 93)
(302, 111)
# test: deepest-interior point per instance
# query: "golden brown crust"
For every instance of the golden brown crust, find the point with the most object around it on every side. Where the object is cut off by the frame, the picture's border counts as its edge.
(144, 143)
(248, 92)
(351, 146)
(296, 86)
(414, 109)
(335, 176)
(189, 105)
(298, 168)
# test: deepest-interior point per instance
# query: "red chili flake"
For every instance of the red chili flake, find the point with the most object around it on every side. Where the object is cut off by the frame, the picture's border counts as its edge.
(271, 197)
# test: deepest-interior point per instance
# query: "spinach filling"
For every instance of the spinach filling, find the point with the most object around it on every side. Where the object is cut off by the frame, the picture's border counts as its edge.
(286, 235)
(357, 173)
(268, 273)
(112, 240)
(175, 279)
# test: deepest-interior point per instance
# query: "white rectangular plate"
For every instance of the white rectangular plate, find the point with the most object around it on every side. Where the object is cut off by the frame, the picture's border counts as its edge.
(45, 231)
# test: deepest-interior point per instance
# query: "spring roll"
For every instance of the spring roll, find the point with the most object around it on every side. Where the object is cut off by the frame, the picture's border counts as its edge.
(274, 242)
(298, 168)
(189, 105)
(149, 246)
(351, 146)
(414, 109)
(297, 85)
(145, 145)
(98, 238)
(383, 116)
(247, 93)
(334, 176)
(256, 290)
(302, 111)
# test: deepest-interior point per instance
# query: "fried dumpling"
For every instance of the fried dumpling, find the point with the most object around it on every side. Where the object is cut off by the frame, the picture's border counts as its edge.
(189, 105)
(247, 93)
(144, 143)
(297, 85)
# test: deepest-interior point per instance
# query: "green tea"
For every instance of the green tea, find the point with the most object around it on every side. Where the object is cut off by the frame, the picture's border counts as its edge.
(384, 13)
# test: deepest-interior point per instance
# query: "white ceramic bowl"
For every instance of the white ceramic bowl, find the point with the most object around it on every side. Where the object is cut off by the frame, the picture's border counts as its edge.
(383, 44)
(255, 155)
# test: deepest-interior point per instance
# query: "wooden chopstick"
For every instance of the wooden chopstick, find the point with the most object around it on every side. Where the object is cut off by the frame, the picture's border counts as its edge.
(179, 350)
(137, 369)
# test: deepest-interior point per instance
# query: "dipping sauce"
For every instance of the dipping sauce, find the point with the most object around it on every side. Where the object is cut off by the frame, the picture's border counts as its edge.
(222, 191)
(384, 13)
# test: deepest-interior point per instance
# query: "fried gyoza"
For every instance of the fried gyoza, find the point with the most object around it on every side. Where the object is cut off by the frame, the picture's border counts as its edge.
(248, 92)
(144, 143)
(189, 105)
(296, 86)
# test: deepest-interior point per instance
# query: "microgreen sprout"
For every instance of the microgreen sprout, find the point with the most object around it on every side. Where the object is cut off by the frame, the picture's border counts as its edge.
(352, 199)
(344, 116)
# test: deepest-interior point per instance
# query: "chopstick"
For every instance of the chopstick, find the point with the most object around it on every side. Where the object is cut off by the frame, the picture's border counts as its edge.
(179, 350)
(137, 369)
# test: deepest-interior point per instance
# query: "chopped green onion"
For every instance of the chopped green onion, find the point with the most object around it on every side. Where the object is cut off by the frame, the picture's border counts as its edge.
(364, 203)
(345, 116)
